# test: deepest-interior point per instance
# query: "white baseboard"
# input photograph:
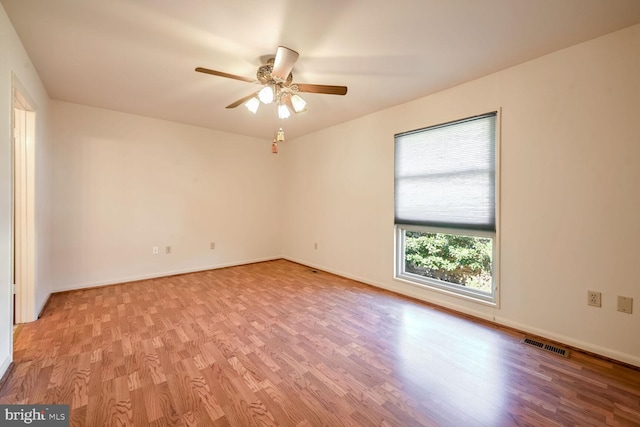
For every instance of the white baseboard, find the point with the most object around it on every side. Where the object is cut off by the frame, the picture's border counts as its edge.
(572, 342)
(156, 275)
(4, 366)
(398, 289)
(40, 309)
(407, 291)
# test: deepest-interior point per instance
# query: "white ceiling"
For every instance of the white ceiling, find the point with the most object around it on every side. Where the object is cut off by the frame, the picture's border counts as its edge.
(138, 56)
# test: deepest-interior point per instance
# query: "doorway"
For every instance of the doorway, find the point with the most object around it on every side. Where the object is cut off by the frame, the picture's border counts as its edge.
(23, 130)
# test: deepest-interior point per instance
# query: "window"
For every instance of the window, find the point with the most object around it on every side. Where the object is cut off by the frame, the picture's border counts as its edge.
(445, 204)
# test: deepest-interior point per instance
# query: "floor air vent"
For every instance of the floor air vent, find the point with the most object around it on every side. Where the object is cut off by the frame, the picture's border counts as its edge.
(560, 351)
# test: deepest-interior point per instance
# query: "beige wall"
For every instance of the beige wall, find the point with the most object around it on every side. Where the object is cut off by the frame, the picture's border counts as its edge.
(570, 193)
(124, 183)
(15, 63)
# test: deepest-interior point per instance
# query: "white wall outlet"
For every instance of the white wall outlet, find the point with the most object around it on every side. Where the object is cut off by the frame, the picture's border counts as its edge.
(154, 250)
(594, 299)
(212, 245)
(625, 304)
(315, 245)
(167, 250)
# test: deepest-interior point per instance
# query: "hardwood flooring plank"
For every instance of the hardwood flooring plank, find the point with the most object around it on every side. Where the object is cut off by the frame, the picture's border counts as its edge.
(276, 343)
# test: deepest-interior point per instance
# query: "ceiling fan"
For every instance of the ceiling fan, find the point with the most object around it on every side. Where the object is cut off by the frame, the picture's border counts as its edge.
(278, 84)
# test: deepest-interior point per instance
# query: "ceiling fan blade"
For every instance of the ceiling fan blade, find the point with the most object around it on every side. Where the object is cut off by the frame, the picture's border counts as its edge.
(283, 63)
(227, 75)
(241, 100)
(331, 90)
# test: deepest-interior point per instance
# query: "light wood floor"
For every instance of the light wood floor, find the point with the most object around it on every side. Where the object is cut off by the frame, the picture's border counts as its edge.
(278, 344)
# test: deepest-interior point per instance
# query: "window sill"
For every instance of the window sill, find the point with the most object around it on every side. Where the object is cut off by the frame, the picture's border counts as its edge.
(424, 283)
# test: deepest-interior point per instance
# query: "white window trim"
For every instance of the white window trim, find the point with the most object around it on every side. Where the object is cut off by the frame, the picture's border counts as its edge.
(434, 284)
(439, 285)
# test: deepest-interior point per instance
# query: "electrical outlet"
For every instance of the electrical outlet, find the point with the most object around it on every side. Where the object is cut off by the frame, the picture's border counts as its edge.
(594, 299)
(212, 245)
(154, 250)
(315, 245)
(167, 250)
(625, 304)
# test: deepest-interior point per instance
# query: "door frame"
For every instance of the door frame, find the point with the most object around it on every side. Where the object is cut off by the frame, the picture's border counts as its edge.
(23, 201)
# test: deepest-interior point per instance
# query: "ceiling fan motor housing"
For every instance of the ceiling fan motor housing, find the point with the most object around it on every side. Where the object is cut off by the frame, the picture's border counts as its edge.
(264, 75)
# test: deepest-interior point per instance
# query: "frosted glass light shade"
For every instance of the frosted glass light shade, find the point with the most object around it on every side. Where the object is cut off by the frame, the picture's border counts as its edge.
(299, 104)
(266, 95)
(252, 104)
(283, 111)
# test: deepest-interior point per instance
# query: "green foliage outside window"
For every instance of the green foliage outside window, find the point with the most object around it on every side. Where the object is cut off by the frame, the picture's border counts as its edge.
(464, 260)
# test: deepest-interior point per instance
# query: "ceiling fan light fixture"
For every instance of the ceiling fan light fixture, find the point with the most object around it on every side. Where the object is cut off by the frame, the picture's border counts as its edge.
(252, 104)
(299, 104)
(278, 88)
(266, 95)
(283, 111)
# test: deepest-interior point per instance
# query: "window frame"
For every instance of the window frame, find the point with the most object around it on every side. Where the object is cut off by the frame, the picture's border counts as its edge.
(440, 285)
(448, 288)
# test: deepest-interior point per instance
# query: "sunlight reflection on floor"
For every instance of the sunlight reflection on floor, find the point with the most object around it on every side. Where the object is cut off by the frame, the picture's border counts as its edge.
(420, 361)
